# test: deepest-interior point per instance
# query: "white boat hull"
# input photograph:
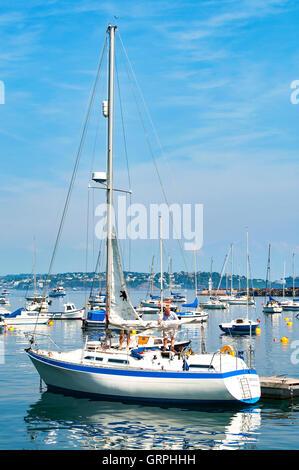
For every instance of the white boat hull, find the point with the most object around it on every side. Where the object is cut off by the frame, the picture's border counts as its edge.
(212, 306)
(144, 385)
(72, 315)
(274, 309)
(290, 306)
(25, 321)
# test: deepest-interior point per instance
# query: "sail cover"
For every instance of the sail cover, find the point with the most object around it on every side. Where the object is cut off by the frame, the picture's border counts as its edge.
(193, 305)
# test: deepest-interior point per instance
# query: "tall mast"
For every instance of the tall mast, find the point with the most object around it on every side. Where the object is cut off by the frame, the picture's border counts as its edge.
(284, 279)
(152, 277)
(195, 273)
(247, 272)
(34, 268)
(111, 33)
(161, 265)
(269, 269)
(210, 279)
(231, 270)
(268, 284)
(293, 263)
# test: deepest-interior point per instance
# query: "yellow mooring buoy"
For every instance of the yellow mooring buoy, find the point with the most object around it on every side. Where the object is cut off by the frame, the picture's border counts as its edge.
(284, 340)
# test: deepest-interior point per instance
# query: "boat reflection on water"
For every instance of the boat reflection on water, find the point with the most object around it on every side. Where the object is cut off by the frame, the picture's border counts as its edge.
(66, 422)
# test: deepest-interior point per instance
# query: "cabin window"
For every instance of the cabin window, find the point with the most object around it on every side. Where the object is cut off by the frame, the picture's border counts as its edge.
(99, 358)
(89, 358)
(200, 366)
(118, 361)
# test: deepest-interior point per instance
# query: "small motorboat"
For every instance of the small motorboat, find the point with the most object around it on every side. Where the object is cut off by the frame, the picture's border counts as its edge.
(214, 304)
(4, 300)
(94, 319)
(291, 304)
(70, 313)
(25, 317)
(240, 326)
(193, 311)
(177, 297)
(57, 292)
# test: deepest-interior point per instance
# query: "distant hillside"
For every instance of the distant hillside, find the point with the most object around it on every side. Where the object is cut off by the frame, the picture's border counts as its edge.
(178, 280)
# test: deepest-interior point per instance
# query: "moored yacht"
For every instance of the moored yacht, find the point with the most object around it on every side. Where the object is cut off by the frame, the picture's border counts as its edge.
(25, 317)
(70, 313)
(57, 292)
(214, 303)
(272, 306)
(140, 373)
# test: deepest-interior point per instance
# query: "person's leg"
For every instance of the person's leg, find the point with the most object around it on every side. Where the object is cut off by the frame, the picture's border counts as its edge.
(121, 338)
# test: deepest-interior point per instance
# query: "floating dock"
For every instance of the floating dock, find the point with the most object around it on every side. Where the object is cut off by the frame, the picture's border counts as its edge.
(279, 388)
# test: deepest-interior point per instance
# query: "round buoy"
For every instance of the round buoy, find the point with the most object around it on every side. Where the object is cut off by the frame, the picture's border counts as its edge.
(258, 331)
(51, 323)
(286, 319)
(274, 339)
(289, 323)
(133, 332)
(259, 320)
(284, 340)
(11, 328)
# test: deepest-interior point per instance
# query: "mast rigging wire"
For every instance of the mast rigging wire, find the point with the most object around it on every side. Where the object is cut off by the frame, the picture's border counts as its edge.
(78, 157)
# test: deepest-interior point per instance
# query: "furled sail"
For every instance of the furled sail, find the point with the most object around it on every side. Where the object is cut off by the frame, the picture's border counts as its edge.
(122, 314)
(122, 310)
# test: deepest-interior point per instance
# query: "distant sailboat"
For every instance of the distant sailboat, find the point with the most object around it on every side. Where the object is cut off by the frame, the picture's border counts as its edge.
(214, 302)
(193, 310)
(271, 306)
(293, 303)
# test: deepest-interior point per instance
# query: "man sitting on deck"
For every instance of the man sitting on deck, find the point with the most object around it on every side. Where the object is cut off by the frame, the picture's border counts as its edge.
(168, 333)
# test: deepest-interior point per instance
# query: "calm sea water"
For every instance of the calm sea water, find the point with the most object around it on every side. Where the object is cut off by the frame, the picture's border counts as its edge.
(32, 418)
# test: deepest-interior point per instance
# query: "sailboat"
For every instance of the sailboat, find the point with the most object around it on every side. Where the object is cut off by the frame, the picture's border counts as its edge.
(291, 304)
(138, 374)
(214, 302)
(58, 291)
(238, 298)
(152, 304)
(242, 325)
(193, 310)
(271, 306)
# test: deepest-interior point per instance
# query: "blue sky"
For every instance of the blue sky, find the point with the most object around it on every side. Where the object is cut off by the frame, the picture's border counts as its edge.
(215, 76)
